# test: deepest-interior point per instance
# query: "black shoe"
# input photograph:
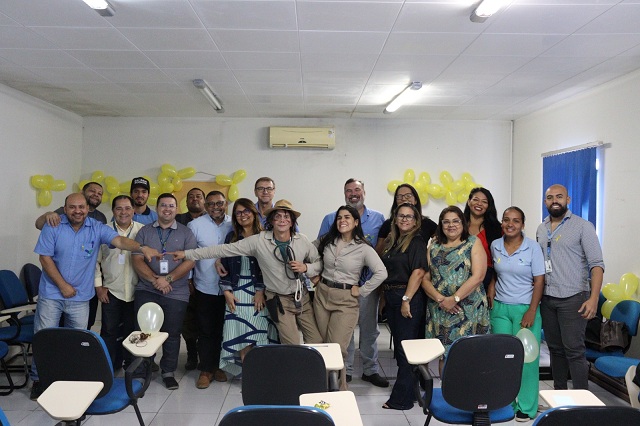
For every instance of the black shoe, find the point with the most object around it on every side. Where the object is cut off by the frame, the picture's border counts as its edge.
(376, 380)
(170, 382)
(36, 391)
(521, 417)
(192, 363)
(154, 367)
(349, 378)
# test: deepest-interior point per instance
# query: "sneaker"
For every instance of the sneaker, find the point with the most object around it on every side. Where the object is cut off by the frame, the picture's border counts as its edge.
(204, 380)
(376, 380)
(36, 391)
(521, 417)
(349, 378)
(220, 376)
(170, 382)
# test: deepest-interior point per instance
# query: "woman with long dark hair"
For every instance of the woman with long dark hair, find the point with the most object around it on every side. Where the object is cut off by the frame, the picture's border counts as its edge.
(345, 252)
(482, 218)
(405, 257)
(246, 321)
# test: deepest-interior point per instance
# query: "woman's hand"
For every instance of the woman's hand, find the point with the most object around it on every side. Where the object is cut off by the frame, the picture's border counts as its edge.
(528, 318)
(177, 255)
(231, 300)
(258, 300)
(449, 304)
(491, 294)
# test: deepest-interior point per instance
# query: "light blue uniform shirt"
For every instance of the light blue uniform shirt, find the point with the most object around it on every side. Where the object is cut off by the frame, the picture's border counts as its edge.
(75, 255)
(371, 221)
(516, 271)
(148, 217)
(208, 233)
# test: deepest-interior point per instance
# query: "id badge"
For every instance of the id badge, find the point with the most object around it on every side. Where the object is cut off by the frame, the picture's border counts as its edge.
(164, 266)
(121, 258)
(547, 266)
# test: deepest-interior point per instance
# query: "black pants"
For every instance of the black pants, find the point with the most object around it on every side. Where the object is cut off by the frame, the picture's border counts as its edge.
(210, 313)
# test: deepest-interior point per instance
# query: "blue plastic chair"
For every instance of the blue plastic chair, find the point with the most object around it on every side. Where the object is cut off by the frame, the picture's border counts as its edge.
(627, 311)
(3, 419)
(276, 415)
(80, 355)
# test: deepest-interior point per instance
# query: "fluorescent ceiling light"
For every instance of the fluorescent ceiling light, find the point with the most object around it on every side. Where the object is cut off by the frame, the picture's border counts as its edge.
(208, 93)
(485, 9)
(405, 96)
(101, 6)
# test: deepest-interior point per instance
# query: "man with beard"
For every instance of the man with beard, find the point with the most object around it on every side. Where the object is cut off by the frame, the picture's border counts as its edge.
(195, 207)
(140, 194)
(371, 221)
(92, 192)
(68, 254)
(573, 277)
(210, 230)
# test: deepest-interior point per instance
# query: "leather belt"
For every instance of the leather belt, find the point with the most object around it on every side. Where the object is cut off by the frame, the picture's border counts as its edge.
(334, 284)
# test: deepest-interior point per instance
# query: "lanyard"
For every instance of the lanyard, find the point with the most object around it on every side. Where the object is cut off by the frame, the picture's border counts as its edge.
(551, 234)
(163, 243)
(117, 228)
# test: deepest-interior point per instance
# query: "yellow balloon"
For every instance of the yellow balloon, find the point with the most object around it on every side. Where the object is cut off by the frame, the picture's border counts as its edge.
(607, 308)
(37, 181)
(186, 173)
(239, 176)
(59, 185)
(424, 177)
(169, 170)
(223, 180)
(154, 189)
(424, 197)
(81, 184)
(163, 178)
(152, 201)
(112, 185)
(436, 191)
(471, 186)
(44, 197)
(419, 185)
(462, 197)
(97, 176)
(451, 198)
(125, 187)
(466, 177)
(167, 187)
(106, 198)
(48, 181)
(613, 292)
(629, 284)
(391, 186)
(233, 192)
(409, 176)
(456, 186)
(177, 183)
(183, 204)
(446, 178)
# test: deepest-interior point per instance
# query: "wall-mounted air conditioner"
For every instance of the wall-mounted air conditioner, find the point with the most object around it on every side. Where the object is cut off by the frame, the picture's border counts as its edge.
(302, 137)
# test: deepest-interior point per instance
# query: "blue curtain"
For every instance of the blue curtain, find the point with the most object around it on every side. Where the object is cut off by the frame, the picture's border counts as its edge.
(576, 170)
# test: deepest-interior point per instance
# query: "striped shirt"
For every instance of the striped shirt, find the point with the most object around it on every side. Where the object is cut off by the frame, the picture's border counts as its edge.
(573, 249)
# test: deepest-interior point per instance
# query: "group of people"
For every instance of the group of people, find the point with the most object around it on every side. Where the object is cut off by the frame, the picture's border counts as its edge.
(229, 283)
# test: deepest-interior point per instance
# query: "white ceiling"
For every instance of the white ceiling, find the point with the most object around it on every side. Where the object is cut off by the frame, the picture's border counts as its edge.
(300, 58)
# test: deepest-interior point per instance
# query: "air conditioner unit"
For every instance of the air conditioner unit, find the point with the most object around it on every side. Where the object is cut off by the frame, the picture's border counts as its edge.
(302, 137)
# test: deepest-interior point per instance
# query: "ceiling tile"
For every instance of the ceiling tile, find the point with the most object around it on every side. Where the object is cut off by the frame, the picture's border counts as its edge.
(169, 38)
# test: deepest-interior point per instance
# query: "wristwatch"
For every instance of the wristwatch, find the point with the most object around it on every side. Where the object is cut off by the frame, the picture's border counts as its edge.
(406, 298)
(169, 278)
(456, 298)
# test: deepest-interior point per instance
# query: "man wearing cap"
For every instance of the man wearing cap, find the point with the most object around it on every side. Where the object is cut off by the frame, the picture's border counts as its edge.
(283, 256)
(140, 194)
(371, 221)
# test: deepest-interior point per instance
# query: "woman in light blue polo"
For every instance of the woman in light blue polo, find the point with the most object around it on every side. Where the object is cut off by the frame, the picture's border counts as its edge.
(515, 298)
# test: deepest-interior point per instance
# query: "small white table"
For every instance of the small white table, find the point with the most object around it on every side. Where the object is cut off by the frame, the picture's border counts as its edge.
(69, 400)
(152, 345)
(422, 351)
(570, 397)
(331, 354)
(343, 407)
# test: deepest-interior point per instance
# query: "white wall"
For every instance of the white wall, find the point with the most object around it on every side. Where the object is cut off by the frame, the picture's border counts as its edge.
(37, 138)
(376, 151)
(608, 114)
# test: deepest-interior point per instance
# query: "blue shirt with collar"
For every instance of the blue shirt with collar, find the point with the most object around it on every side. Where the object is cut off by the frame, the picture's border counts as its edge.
(146, 218)
(208, 233)
(371, 221)
(74, 254)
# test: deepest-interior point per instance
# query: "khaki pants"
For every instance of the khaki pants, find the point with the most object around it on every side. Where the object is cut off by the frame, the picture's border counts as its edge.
(293, 321)
(336, 313)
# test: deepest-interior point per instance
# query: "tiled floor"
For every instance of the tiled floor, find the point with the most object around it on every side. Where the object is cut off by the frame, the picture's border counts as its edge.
(190, 406)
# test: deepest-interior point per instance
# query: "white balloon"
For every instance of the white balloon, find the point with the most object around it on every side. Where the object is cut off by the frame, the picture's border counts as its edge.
(530, 343)
(150, 317)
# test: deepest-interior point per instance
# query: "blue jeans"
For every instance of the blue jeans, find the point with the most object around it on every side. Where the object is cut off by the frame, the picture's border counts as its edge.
(118, 321)
(48, 313)
(564, 330)
(402, 328)
(174, 311)
(369, 332)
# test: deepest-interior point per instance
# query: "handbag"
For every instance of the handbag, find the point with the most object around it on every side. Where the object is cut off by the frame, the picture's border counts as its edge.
(614, 336)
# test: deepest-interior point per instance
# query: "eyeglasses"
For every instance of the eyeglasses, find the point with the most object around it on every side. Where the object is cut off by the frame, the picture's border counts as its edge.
(139, 339)
(167, 206)
(454, 222)
(402, 197)
(405, 217)
(245, 212)
(265, 189)
(478, 200)
(214, 203)
(123, 209)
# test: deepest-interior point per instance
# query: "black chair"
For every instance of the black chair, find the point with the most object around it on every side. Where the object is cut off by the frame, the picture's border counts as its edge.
(71, 354)
(589, 416)
(31, 277)
(279, 374)
(276, 415)
(480, 379)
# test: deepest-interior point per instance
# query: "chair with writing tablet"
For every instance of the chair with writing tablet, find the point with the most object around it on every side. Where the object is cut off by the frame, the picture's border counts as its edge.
(588, 416)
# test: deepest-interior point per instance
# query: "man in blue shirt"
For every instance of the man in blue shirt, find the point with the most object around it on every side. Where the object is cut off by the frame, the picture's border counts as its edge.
(140, 193)
(68, 254)
(371, 221)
